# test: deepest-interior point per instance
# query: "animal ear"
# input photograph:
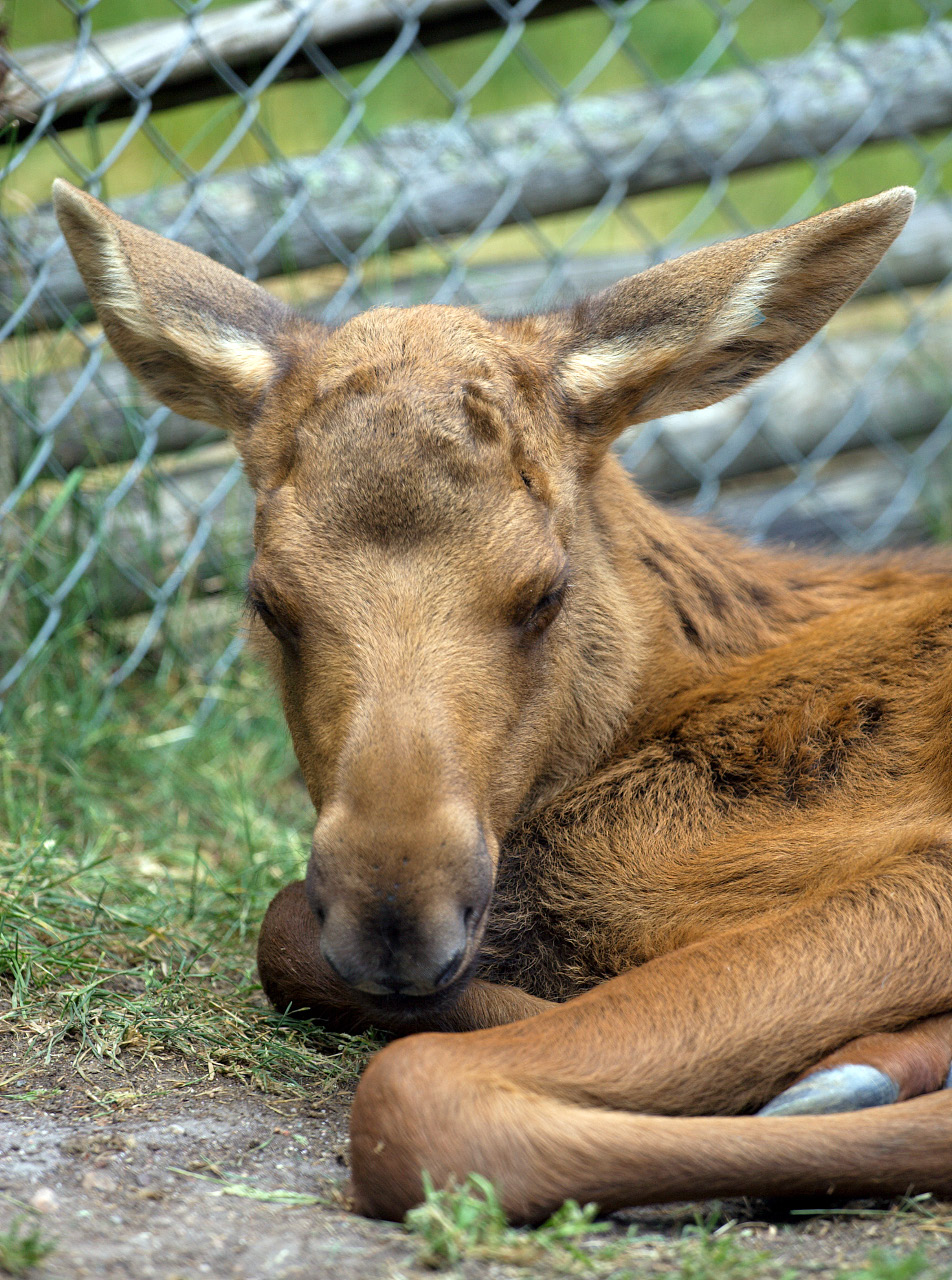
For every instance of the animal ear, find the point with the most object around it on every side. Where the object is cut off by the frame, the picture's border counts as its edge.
(205, 341)
(692, 331)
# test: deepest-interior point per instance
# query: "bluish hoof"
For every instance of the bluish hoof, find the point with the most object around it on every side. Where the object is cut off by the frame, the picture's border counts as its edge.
(850, 1087)
(948, 1079)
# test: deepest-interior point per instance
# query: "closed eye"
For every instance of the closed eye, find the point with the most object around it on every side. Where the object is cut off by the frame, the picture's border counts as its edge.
(279, 627)
(544, 610)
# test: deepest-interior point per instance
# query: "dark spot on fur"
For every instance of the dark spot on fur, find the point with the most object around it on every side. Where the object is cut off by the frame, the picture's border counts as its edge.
(717, 698)
(689, 630)
(592, 655)
(759, 595)
(817, 762)
(677, 747)
(730, 781)
(529, 942)
(936, 639)
(927, 646)
(871, 712)
(711, 594)
(653, 566)
(789, 681)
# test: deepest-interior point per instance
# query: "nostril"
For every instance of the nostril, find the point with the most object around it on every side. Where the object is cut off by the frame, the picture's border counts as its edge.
(329, 961)
(450, 969)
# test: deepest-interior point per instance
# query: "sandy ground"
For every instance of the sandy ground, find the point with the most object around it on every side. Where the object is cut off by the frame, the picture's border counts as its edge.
(113, 1158)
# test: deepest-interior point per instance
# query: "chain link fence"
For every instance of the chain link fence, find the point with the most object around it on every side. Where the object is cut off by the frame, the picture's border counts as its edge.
(515, 156)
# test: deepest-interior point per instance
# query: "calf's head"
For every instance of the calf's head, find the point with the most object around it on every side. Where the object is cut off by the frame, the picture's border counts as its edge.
(431, 583)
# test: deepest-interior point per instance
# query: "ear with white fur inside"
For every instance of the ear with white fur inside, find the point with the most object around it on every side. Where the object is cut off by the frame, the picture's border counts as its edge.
(204, 340)
(692, 331)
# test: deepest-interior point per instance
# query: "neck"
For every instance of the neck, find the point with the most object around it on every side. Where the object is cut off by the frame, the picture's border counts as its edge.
(662, 604)
(711, 598)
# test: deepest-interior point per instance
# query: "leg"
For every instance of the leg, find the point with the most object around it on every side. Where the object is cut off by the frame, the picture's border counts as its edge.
(295, 977)
(873, 1070)
(293, 974)
(541, 1106)
(540, 1151)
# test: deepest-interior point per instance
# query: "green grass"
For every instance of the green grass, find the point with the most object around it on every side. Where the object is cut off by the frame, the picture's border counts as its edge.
(23, 1247)
(883, 1265)
(135, 868)
(466, 1223)
(706, 1253)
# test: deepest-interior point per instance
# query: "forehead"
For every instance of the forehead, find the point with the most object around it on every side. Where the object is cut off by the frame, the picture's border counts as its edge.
(429, 341)
(410, 437)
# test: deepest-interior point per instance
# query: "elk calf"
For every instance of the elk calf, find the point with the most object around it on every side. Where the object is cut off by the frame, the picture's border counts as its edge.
(660, 822)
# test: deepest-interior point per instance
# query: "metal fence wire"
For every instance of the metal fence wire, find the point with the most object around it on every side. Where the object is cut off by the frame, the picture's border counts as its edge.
(515, 156)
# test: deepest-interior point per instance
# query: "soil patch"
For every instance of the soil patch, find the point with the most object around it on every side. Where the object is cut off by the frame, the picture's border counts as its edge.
(150, 1172)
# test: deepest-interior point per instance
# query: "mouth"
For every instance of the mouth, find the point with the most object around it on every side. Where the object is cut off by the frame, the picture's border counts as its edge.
(408, 1009)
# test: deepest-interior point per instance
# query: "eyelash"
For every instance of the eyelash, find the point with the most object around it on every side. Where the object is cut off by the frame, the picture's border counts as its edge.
(280, 630)
(544, 612)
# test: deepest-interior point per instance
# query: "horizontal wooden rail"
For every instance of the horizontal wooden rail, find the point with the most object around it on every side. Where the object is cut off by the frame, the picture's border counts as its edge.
(435, 179)
(921, 256)
(143, 539)
(173, 61)
(844, 500)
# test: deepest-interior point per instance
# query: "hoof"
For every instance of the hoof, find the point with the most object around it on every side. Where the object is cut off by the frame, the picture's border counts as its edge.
(948, 1080)
(844, 1088)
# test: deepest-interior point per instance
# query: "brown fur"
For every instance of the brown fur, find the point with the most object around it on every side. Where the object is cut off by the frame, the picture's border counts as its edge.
(658, 820)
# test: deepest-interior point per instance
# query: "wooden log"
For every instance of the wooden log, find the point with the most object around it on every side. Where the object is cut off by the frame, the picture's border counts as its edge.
(923, 253)
(201, 626)
(106, 423)
(846, 505)
(173, 61)
(435, 179)
(921, 256)
(144, 538)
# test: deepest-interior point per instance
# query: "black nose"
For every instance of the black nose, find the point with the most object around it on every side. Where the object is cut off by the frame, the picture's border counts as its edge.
(394, 954)
(399, 919)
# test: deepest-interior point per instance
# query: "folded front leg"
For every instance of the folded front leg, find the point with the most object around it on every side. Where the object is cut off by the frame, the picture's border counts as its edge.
(543, 1107)
(297, 979)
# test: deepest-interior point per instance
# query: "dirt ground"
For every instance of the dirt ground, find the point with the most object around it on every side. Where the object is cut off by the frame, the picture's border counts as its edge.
(131, 1169)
